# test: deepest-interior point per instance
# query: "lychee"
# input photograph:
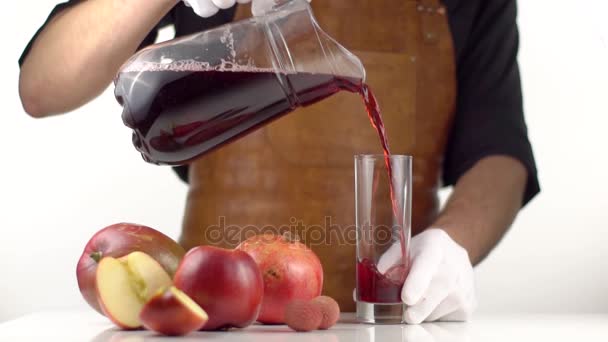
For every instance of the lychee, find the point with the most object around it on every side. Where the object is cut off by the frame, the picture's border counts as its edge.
(303, 315)
(330, 311)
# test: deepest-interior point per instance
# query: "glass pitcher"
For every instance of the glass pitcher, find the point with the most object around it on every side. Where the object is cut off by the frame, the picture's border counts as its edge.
(186, 97)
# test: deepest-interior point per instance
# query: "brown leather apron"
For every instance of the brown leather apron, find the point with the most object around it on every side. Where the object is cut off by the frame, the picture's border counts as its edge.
(298, 171)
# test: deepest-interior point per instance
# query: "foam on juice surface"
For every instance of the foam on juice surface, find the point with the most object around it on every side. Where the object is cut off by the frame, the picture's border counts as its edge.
(190, 65)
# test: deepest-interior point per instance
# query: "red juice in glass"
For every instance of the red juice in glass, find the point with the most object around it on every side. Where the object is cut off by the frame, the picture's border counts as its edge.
(383, 220)
(376, 287)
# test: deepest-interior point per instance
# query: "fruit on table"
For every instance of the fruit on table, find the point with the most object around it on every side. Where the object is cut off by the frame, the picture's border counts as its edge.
(303, 315)
(171, 312)
(291, 271)
(117, 241)
(330, 311)
(227, 284)
(124, 285)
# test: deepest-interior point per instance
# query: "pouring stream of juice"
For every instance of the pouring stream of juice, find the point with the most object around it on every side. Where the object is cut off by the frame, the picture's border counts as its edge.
(377, 286)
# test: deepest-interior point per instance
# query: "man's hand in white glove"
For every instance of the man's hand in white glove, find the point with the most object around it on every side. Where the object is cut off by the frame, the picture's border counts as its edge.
(207, 8)
(440, 284)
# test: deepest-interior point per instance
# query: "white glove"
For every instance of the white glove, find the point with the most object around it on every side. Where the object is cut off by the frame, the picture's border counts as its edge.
(440, 284)
(207, 8)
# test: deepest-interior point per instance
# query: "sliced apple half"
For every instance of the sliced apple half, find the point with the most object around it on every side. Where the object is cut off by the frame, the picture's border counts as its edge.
(124, 285)
(171, 312)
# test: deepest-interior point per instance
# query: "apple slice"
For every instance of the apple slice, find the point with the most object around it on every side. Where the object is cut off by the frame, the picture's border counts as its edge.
(171, 312)
(124, 285)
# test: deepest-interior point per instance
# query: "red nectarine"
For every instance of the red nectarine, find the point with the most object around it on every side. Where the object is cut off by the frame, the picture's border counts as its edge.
(227, 284)
(171, 312)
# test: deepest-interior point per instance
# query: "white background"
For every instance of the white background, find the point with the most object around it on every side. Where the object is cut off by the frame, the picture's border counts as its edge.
(64, 178)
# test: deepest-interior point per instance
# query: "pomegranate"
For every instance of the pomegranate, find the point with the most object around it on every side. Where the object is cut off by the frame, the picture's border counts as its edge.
(291, 271)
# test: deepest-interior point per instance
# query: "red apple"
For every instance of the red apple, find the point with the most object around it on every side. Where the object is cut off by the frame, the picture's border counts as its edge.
(124, 285)
(171, 312)
(291, 271)
(227, 284)
(117, 241)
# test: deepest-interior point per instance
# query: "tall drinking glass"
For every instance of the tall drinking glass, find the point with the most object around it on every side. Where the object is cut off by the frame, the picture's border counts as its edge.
(383, 196)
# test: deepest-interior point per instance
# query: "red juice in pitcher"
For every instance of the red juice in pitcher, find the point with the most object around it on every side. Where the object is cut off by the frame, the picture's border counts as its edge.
(180, 112)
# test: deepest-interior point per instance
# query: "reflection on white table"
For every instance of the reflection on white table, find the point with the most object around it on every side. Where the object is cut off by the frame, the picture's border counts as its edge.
(89, 326)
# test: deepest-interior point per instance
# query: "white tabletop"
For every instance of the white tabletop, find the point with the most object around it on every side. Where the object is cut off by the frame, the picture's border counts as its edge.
(89, 326)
